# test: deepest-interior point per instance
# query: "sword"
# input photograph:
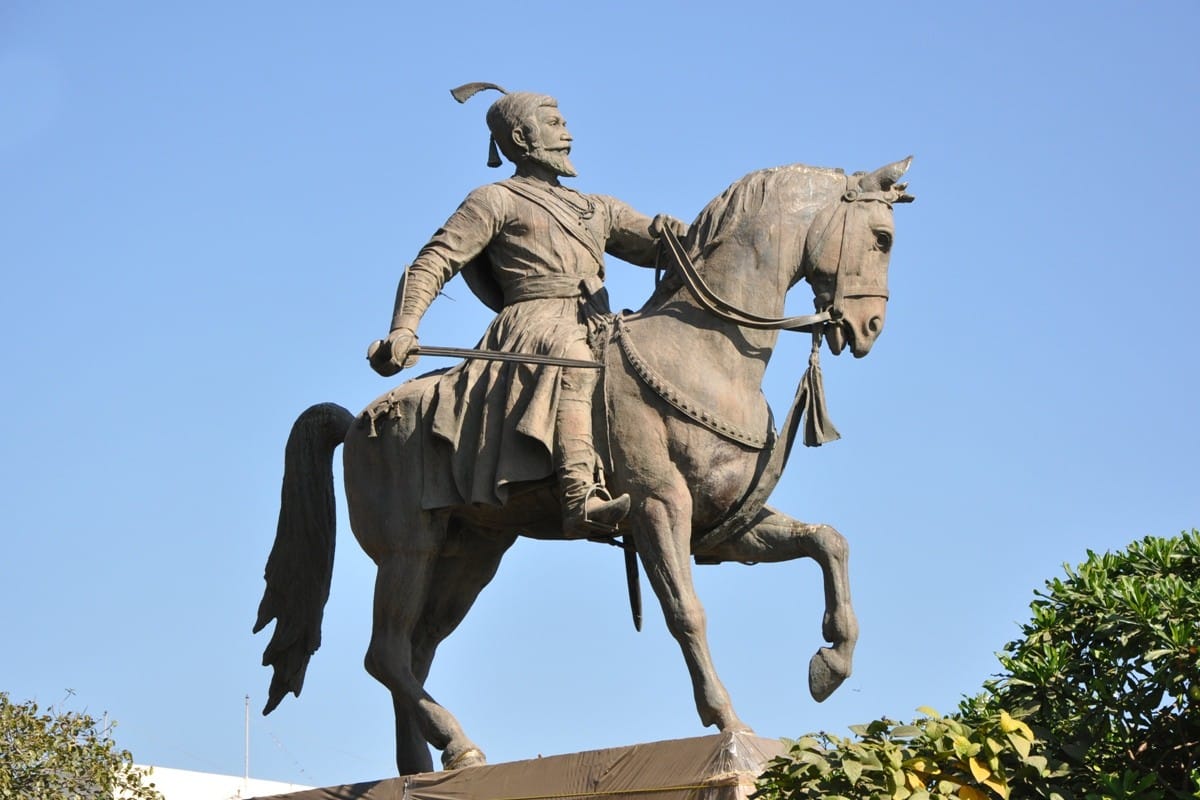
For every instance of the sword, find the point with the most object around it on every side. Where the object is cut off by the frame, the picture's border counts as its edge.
(492, 355)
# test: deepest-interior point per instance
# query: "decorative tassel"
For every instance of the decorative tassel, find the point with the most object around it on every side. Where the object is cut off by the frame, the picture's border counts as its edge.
(818, 428)
(493, 153)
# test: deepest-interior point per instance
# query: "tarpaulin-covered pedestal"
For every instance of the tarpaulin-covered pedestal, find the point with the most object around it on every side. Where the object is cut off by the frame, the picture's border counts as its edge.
(719, 767)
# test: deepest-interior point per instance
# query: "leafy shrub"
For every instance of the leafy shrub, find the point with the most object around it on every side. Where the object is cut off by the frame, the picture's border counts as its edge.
(934, 757)
(63, 755)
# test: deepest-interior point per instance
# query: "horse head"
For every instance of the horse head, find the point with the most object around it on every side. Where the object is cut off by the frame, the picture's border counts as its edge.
(846, 256)
(777, 226)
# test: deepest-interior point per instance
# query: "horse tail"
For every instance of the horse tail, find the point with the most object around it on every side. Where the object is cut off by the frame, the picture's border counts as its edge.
(300, 566)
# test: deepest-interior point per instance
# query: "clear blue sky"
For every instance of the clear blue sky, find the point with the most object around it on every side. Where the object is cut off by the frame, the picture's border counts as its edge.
(204, 209)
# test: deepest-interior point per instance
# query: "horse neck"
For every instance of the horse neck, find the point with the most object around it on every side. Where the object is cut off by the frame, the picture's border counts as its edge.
(734, 354)
(748, 246)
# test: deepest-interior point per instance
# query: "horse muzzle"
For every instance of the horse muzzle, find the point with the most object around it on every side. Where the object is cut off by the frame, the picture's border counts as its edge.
(860, 325)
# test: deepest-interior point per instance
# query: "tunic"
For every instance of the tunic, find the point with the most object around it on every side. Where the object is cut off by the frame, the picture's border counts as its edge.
(492, 423)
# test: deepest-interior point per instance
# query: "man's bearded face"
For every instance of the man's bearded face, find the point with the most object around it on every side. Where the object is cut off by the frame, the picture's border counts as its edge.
(549, 141)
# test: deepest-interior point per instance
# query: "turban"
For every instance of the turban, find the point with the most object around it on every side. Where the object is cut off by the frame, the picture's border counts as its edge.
(512, 109)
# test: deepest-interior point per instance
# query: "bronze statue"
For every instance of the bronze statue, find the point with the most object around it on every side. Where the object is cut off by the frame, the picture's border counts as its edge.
(693, 453)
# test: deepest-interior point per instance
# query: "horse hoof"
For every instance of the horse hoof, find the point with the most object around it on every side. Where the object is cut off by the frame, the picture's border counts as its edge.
(471, 757)
(825, 674)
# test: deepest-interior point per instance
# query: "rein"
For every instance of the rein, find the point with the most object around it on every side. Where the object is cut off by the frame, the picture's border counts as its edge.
(711, 302)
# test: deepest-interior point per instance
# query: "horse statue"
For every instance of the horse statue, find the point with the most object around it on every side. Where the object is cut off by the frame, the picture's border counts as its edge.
(695, 449)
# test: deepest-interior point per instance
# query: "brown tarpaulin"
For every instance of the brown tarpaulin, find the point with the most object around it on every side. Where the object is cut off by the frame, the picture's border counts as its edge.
(719, 767)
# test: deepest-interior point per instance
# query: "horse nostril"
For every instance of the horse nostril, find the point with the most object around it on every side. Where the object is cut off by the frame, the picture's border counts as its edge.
(875, 325)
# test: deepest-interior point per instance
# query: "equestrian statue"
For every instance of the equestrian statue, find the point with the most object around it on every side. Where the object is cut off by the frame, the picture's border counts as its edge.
(567, 422)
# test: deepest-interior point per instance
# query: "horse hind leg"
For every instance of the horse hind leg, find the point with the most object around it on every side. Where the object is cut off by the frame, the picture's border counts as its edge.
(401, 588)
(777, 537)
(467, 564)
(412, 751)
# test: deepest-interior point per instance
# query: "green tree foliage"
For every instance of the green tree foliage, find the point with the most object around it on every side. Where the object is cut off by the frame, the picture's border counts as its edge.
(1106, 672)
(63, 755)
(1098, 701)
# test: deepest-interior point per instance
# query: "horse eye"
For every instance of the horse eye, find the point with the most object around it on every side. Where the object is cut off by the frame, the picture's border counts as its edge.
(883, 241)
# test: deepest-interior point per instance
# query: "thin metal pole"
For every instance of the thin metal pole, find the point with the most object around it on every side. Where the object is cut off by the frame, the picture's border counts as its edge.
(247, 762)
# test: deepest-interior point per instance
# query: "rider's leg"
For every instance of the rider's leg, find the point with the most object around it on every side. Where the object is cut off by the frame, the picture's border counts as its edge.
(575, 457)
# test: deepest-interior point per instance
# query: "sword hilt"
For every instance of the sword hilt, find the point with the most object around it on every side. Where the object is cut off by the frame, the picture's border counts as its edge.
(381, 359)
(381, 355)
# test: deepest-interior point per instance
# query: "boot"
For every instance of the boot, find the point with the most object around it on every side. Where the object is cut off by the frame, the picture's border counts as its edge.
(588, 508)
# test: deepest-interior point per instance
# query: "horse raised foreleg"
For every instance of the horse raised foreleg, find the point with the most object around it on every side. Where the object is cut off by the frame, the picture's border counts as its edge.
(777, 537)
(663, 532)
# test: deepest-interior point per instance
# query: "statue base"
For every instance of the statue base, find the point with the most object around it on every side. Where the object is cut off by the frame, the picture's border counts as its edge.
(718, 767)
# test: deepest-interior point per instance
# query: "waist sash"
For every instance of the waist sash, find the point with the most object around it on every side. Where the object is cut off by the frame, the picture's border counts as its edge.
(543, 287)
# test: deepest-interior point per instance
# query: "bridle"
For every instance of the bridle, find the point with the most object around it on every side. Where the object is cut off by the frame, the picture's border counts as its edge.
(845, 283)
(829, 303)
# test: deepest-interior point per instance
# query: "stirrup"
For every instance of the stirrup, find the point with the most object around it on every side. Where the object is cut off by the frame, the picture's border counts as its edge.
(587, 527)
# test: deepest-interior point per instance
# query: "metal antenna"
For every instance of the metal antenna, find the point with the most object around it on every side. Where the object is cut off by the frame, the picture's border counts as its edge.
(247, 761)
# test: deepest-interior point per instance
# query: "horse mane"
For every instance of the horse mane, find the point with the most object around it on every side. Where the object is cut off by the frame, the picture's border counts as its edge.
(745, 200)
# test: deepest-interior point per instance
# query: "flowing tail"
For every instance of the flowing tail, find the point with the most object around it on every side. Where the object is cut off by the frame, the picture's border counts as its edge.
(300, 566)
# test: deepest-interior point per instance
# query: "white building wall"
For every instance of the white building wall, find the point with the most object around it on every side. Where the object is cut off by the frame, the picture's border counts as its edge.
(181, 784)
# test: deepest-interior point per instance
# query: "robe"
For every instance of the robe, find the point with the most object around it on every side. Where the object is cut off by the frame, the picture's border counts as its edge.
(540, 251)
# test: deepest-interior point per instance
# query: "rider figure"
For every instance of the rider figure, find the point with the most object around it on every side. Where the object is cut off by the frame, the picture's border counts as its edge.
(532, 249)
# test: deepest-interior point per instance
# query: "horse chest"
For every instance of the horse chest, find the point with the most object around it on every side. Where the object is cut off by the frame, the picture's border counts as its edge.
(719, 472)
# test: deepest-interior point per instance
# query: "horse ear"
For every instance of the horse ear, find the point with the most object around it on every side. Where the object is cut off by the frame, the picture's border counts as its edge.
(884, 178)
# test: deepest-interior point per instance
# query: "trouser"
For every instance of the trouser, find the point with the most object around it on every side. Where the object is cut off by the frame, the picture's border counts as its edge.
(574, 446)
